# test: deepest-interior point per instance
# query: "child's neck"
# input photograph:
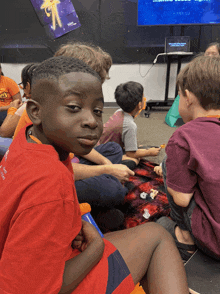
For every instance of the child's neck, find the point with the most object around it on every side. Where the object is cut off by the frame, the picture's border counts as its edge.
(33, 133)
(134, 112)
(205, 113)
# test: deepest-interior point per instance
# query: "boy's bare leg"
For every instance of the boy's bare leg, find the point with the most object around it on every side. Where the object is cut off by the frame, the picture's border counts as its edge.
(152, 258)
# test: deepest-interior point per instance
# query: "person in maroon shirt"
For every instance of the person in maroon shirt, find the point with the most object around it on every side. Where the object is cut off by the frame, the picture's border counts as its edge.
(192, 168)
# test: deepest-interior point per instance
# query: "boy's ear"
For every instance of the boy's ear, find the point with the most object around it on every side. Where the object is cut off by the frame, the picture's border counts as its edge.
(33, 109)
(189, 97)
(140, 105)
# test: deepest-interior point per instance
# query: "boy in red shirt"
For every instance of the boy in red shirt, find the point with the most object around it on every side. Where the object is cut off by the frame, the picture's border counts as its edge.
(45, 247)
(192, 168)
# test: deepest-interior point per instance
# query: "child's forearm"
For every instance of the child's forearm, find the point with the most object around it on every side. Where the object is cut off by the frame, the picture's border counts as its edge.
(4, 108)
(96, 157)
(8, 126)
(139, 153)
(78, 267)
(82, 171)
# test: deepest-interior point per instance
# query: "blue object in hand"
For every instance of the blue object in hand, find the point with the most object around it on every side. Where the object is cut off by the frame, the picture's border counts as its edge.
(86, 215)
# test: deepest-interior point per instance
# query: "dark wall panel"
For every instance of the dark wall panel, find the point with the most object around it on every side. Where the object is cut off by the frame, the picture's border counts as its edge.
(112, 24)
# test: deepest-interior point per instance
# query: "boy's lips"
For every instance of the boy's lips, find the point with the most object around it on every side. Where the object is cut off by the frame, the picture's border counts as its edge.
(89, 140)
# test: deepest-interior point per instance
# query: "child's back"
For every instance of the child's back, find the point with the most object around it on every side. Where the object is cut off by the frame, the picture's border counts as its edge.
(198, 167)
(192, 168)
(121, 128)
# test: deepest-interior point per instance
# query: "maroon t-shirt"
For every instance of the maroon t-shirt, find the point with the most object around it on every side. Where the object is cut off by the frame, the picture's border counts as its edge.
(193, 165)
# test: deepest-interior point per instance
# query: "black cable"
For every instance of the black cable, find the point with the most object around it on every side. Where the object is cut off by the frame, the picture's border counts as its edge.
(147, 71)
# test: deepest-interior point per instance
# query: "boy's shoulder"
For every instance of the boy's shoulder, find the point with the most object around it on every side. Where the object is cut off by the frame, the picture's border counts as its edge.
(194, 131)
(200, 123)
(34, 158)
(36, 170)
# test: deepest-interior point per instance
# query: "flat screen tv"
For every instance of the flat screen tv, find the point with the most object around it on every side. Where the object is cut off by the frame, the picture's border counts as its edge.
(178, 12)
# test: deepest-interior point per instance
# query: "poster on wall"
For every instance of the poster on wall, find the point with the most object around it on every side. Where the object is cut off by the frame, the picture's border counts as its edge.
(57, 16)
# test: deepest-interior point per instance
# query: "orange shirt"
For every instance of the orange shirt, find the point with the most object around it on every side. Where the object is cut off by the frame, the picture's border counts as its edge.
(23, 121)
(8, 88)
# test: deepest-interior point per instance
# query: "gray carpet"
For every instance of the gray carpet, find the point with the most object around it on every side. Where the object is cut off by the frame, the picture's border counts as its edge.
(152, 131)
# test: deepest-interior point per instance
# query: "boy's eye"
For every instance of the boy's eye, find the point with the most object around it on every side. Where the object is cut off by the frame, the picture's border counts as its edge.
(98, 112)
(74, 108)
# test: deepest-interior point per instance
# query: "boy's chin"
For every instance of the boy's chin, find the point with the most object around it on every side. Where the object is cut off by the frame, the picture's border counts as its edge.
(83, 152)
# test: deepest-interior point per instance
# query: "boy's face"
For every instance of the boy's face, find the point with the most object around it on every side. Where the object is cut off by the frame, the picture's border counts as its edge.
(72, 120)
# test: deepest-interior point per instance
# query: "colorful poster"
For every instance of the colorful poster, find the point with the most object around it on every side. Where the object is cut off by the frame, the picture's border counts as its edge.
(57, 16)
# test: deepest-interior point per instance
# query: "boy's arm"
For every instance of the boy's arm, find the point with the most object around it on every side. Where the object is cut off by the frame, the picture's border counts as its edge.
(96, 157)
(181, 177)
(83, 171)
(17, 96)
(4, 108)
(10, 122)
(181, 199)
(76, 269)
(9, 125)
(143, 152)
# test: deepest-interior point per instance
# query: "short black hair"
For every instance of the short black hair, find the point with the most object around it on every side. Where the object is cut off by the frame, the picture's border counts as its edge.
(27, 73)
(128, 95)
(54, 67)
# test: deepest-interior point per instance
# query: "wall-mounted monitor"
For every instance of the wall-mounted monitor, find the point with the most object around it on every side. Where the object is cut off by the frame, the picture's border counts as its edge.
(178, 12)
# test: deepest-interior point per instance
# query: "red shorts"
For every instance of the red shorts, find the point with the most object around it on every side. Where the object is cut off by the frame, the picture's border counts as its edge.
(110, 276)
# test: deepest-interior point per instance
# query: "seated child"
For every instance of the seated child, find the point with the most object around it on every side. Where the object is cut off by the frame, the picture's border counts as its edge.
(12, 123)
(99, 175)
(9, 91)
(121, 128)
(45, 247)
(192, 168)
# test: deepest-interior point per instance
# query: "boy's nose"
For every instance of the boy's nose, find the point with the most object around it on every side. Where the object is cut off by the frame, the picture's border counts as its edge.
(89, 121)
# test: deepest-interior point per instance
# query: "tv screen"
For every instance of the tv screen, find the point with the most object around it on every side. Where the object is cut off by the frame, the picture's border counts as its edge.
(174, 12)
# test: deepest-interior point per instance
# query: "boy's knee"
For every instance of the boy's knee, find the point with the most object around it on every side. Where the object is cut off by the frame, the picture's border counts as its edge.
(114, 148)
(113, 192)
(156, 231)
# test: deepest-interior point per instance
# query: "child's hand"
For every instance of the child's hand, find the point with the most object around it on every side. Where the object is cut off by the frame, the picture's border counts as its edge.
(16, 103)
(158, 170)
(154, 151)
(86, 237)
(121, 172)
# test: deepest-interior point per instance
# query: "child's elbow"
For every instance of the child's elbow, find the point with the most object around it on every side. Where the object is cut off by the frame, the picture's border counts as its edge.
(181, 202)
(180, 199)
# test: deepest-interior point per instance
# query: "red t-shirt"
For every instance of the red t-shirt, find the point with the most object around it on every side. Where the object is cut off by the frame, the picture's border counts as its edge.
(39, 218)
(193, 166)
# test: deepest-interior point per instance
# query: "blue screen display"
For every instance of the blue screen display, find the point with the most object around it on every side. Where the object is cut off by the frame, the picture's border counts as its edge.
(168, 12)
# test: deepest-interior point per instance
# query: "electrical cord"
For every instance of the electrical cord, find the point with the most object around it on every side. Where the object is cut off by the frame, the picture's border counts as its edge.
(147, 71)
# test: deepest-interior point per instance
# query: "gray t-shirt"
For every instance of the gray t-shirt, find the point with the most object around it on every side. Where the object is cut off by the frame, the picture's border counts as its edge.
(129, 133)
